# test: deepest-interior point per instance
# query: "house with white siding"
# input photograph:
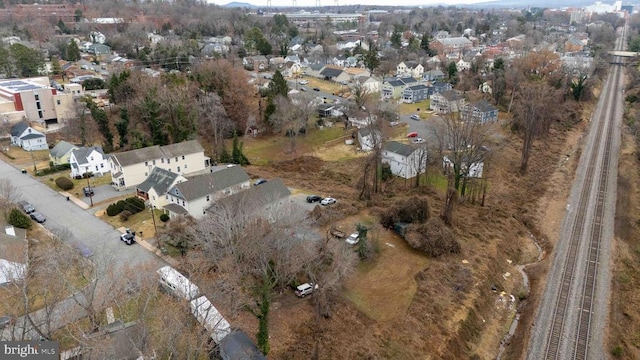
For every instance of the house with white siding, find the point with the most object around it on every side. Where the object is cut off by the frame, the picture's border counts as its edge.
(154, 188)
(405, 161)
(88, 160)
(195, 195)
(131, 168)
(28, 138)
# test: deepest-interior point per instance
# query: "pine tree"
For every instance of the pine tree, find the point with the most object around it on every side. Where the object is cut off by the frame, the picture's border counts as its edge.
(236, 153)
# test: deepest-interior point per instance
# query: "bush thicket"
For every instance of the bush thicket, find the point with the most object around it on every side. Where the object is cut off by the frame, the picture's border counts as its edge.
(64, 183)
(164, 217)
(433, 237)
(414, 210)
(133, 205)
(18, 219)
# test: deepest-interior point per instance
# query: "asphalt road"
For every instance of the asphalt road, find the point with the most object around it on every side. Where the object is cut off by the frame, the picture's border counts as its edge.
(78, 226)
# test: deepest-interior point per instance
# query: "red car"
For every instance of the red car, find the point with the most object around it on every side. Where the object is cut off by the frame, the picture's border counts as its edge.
(412, 134)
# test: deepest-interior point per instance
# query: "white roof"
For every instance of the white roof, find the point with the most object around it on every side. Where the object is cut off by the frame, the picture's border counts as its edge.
(11, 271)
(183, 285)
(209, 317)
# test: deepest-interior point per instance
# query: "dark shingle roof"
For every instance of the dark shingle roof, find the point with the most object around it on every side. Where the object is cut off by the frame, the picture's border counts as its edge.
(19, 128)
(160, 180)
(253, 199)
(81, 153)
(417, 87)
(156, 152)
(238, 346)
(32, 136)
(175, 208)
(330, 72)
(395, 83)
(408, 80)
(199, 186)
(451, 95)
(484, 106)
(61, 148)
(399, 148)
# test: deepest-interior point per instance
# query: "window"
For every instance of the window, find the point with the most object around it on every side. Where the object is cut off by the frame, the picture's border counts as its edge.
(101, 166)
(57, 102)
(182, 202)
(168, 161)
(146, 174)
(96, 167)
(182, 157)
(166, 197)
(40, 114)
(162, 160)
(146, 163)
(178, 168)
(176, 159)
(169, 169)
(37, 97)
(208, 198)
(92, 158)
(185, 166)
(153, 162)
(38, 106)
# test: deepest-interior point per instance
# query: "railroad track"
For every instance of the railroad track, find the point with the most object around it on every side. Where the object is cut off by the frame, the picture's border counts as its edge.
(570, 327)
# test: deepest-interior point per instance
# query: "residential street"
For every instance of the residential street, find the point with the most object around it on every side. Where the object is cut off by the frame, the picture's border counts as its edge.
(82, 227)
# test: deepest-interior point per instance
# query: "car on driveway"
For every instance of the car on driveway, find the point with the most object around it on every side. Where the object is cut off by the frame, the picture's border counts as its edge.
(412, 134)
(303, 82)
(316, 89)
(328, 201)
(26, 207)
(353, 239)
(314, 198)
(415, 117)
(418, 140)
(38, 217)
(88, 191)
(128, 238)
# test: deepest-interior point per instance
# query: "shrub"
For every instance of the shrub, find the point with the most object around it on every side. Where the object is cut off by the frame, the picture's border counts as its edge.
(64, 183)
(18, 219)
(114, 209)
(125, 215)
(164, 217)
(433, 237)
(414, 211)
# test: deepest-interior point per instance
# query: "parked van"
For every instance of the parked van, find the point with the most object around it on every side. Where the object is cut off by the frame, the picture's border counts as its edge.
(209, 317)
(305, 289)
(177, 284)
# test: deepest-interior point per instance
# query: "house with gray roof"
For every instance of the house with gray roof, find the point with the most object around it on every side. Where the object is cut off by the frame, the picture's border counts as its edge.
(447, 102)
(131, 168)
(154, 188)
(197, 194)
(405, 161)
(481, 111)
(334, 74)
(433, 75)
(238, 346)
(258, 200)
(61, 152)
(28, 138)
(88, 160)
(415, 93)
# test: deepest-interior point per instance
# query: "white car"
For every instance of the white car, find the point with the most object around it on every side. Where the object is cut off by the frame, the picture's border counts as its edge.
(305, 289)
(353, 239)
(303, 82)
(415, 117)
(328, 201)
(418, 140)
(394, 123)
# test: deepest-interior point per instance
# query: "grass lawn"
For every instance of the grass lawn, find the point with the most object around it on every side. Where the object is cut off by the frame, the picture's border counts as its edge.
(326, 86)
(141, 222)
(263, 150)
(78, 184)
(410, 109)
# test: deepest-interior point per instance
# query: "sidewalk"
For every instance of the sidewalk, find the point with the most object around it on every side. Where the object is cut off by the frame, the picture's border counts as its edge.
(75, 200)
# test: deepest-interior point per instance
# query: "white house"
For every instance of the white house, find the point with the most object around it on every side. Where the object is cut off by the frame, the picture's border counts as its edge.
(131, 168)
(370, 84)
(154, 188)
(369, 138)
(97, 37)
(197, 194)
(405, 161)
(88, 160)
(475, 169)
(410, 69)
(27, 137)
(463, 65)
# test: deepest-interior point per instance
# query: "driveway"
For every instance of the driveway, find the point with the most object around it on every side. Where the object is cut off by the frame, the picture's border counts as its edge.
(102, 193)
(424, 128)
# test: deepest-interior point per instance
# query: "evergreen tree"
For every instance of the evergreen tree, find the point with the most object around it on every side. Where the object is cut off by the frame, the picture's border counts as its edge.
(237, 155)
(452, 71)
(371, 60)
(72, 52)
(122, 126)
(225, 158)
(63, 27)
(19, 220)
(278, 85)
(28, 62)
(56, 69)
(396, 36)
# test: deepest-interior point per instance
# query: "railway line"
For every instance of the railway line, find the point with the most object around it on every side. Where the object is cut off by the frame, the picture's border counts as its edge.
(572, 313)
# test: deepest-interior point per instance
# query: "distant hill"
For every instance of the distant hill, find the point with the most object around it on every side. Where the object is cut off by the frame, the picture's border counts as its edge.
(236, 4)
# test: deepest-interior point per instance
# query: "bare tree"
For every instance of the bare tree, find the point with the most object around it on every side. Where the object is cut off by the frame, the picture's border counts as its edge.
(463, 147)
(533, 115)
(214, 124)
(289, 118)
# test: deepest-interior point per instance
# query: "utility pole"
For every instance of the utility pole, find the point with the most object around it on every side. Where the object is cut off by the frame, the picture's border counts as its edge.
(90, 191)
(35, 169)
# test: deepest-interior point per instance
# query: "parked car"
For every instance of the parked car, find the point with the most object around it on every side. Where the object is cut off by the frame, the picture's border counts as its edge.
(39, 218)
(259, 181)
(418, 140)
(328, 201)
(412, 134)
(88, 191)
(303, 82)
(415, 117)
(28, 208)
(305, 289)
(314, 198)
(353, 239)
(128, 238)
(394, 123)
(316, 89)
(302, 88)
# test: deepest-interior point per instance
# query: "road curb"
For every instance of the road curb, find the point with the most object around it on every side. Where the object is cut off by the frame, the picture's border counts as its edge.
(75, 200)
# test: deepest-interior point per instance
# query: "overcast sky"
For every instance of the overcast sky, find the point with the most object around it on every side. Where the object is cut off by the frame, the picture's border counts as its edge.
(312, 3)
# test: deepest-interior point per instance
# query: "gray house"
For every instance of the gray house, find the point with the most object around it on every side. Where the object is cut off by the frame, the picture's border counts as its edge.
(257, 200)
(433, 75)
(439, 87)
(481, 112)
(415, 93)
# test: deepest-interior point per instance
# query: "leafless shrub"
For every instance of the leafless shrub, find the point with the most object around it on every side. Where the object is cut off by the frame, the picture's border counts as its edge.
(414, 210)
(433, 237)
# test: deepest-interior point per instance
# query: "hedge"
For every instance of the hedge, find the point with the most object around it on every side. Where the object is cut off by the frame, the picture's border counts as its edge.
(64, 183)
(133, 205)
(53, 169)
(18, 219)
